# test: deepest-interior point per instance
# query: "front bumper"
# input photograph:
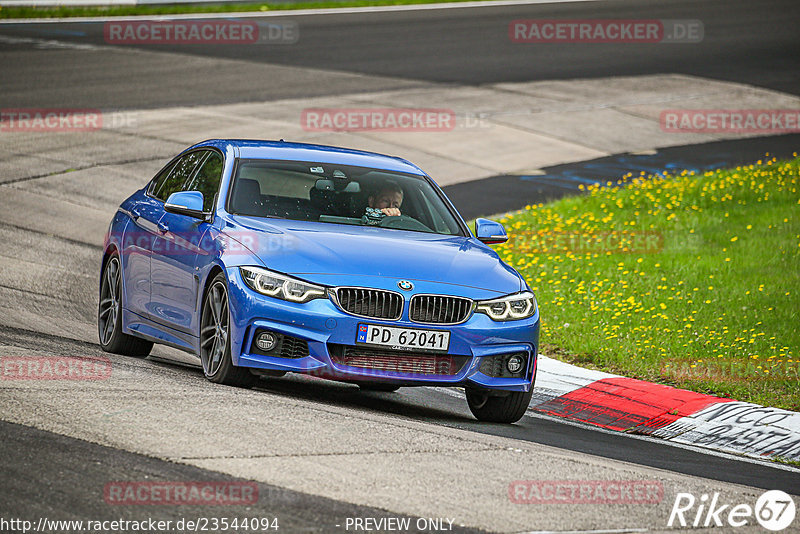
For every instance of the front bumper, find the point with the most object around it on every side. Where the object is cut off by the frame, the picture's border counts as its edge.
(327, 329)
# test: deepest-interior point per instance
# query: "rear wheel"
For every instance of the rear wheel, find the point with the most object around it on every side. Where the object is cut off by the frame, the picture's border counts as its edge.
(494, 409)
(109, 315)
(215, 347)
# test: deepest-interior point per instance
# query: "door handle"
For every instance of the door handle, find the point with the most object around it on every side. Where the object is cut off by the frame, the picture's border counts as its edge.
(135, 214)
(162, 227)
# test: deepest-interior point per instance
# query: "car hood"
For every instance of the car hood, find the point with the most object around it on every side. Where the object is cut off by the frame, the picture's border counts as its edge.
(337, 254)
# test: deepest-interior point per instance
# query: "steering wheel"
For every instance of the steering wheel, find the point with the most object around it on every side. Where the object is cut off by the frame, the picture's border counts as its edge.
(403, 222)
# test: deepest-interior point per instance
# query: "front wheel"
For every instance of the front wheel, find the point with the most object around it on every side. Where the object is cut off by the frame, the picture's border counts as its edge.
(215, 347)
(109, 315)
(494, 409)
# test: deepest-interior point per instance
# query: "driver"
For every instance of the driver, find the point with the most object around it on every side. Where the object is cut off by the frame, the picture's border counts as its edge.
(386, 203)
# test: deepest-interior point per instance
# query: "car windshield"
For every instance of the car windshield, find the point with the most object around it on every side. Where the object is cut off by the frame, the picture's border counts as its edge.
(339, 194)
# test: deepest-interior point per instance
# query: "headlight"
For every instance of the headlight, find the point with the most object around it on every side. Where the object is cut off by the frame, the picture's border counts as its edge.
(510, 308)
(280, 286)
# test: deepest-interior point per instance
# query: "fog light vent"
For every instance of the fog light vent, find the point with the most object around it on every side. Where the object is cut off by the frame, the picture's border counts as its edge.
(504, 365)
(514, 364)
(278, 345)
(266, 341)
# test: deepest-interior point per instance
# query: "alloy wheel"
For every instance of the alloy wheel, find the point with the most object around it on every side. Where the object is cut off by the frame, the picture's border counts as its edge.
(109, 301)
(214, 328)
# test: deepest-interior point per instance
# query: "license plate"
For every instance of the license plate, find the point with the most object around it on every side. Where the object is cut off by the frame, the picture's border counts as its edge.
(403, 338)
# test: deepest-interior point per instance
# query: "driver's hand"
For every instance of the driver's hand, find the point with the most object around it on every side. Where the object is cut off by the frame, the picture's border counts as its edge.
(391, 212)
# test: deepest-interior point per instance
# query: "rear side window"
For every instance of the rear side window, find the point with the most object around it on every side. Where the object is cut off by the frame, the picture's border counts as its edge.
(207, 179)
(173, 181)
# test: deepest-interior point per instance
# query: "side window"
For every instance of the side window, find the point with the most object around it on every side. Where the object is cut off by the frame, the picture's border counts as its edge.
(207, 180)
(158, 181)
(173, 182)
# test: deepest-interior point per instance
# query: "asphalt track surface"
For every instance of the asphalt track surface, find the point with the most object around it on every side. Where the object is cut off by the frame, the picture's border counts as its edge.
(751, 42)
(83, 469)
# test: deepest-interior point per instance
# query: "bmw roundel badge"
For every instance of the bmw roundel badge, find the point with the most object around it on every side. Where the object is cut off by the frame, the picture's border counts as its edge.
(405, 285)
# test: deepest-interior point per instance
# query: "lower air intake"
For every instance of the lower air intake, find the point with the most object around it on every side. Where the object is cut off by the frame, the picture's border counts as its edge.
(414, 363)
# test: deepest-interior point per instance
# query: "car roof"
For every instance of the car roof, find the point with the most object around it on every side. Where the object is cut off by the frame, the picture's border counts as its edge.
(283, 150)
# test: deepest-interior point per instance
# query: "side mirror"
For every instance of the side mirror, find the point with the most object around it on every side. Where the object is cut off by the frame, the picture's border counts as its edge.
(186, 203)
(490, 232)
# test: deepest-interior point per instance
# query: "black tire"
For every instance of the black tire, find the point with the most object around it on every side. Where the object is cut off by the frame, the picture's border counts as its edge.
(388, 388)
(109, 315)
(215, 349)
(492, 409)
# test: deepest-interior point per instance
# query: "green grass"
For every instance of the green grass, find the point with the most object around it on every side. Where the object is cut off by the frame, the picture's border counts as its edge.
(26, 12)
(705, 297)
(786, 461)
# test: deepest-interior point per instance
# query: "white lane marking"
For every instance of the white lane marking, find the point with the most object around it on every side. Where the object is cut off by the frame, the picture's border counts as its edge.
(559, 378)
(290, 12)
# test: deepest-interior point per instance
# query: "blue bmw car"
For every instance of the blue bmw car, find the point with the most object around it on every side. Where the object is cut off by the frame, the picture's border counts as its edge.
(263, 258)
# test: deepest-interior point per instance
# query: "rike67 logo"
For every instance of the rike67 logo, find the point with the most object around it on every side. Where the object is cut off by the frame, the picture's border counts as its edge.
(774, 510)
